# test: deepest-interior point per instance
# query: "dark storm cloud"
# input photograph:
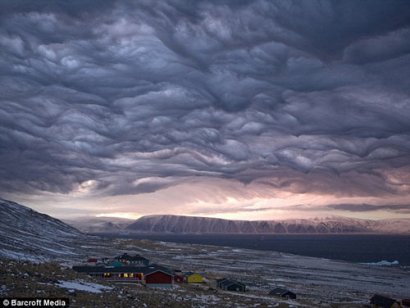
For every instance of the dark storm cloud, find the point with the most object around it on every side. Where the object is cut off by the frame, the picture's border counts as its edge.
(135, 97)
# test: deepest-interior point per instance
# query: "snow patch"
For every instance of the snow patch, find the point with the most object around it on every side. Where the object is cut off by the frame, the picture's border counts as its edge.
(83, 286)
(5, 253)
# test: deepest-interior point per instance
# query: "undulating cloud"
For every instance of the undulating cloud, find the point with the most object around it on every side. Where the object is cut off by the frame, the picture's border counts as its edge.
(118, 98)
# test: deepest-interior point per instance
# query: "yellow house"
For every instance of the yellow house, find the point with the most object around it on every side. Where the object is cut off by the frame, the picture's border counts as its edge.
(194, 278)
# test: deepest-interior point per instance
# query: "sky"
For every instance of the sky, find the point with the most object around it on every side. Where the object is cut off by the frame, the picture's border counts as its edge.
(231, 109)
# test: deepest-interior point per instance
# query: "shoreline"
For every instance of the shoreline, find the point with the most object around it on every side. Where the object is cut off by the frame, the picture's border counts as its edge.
(301, 244)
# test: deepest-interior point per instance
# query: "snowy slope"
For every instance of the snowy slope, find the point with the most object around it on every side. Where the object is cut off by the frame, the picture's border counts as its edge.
(27, 234)
(100, 224)
(188, 224)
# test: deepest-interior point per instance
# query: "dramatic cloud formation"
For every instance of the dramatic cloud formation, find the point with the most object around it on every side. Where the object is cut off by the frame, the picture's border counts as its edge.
(250, 100)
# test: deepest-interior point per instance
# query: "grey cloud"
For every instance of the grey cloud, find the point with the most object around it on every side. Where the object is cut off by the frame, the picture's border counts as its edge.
(397, 208)
(374, 49)
(401, 208)
(231, 209)
(299, 96)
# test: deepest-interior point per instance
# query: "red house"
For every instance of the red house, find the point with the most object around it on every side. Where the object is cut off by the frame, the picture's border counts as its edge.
(158, 277)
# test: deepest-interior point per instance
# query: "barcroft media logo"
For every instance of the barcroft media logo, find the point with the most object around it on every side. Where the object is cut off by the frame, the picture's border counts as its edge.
(34, 302)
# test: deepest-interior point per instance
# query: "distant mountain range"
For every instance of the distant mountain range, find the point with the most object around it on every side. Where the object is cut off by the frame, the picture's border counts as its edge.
(29, 235)
(99, 224)
(204, 225)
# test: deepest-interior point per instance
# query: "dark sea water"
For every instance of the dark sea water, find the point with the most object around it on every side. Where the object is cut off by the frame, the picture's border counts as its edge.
(353, 248)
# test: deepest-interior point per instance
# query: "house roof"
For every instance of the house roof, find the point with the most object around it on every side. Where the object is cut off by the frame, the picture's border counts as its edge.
(155, 268)
(226, 283)
(146, 270)
(280, 291)
(230, 283)
(192, 273)
(108, 269)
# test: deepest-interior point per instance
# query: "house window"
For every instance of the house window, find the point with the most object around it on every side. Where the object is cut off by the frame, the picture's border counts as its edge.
(131, 275)
(125, 275)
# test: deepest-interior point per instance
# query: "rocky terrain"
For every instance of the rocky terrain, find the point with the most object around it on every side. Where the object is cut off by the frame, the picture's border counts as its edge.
(27, 234)
(317, 282)
(31, 236)
(49, 279)
(37, 253)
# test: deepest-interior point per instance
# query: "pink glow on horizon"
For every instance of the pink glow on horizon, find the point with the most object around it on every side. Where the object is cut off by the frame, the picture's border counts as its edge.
(219, 198)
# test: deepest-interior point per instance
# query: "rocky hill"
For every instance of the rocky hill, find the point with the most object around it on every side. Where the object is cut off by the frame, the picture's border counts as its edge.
(28, 235)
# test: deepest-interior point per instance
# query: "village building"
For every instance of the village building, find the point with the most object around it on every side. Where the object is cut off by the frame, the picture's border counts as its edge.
(92, 261)
(283, 293)
(109, 273)
(231, 285)
(115, 263)
(135, 260)
(381, 301)
(158, 277)
(194, 278)
(220, 281)
(405, 302)
(179, 276)
(152, 276)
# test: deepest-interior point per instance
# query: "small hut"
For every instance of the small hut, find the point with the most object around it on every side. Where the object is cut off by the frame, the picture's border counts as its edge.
(194, 278)
(92, 261)
(231, 285)
(283, 293)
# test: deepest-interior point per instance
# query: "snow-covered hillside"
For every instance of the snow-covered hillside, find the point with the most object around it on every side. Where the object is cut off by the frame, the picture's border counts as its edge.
(188, 224)
(100, 224)
(27, 234)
